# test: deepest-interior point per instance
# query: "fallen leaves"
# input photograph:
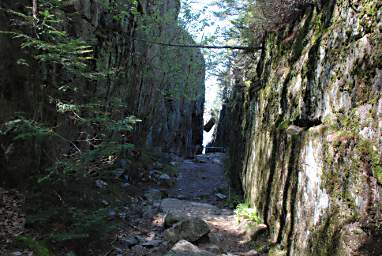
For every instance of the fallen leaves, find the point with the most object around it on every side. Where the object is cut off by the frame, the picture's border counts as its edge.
(12, 219)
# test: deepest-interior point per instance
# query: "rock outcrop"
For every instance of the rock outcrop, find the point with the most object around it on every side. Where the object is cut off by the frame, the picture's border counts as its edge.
(303, 125)
(163, 86)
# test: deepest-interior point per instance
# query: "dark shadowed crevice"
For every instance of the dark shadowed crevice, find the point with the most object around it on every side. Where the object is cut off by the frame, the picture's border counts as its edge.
(291, 184)
(277, 141)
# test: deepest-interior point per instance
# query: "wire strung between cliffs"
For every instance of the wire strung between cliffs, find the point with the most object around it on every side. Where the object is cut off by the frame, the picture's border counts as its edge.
(231, 47)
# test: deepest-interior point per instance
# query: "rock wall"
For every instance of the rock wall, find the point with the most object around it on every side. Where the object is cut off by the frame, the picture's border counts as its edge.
(303, 125)
(163, 86)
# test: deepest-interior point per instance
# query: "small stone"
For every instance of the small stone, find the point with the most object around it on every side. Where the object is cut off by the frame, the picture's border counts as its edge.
(111, 213)
(215, 238)
(217, 161)
(118, 173)
(154, 174)
(153, 195)
(254, 230)
(166, 180)
(158, 165)
(139, 250)
(185, 248)
(123, 163)
(221, 196)
(152, 243)
(200, 159)
(251, 253)
(100, 184)
(212, 248)
(149, 212)
(118, 250)
(122, 215)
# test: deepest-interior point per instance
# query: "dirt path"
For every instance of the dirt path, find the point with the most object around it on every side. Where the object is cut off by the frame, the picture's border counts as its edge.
(200, 190)
(198, 193)
(201, 179)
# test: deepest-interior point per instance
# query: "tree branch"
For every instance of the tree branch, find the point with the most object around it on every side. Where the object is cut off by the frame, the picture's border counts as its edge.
(232, 47)
(34, 8)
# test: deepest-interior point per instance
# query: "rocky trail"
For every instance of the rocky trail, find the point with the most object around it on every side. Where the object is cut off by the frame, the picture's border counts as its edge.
(189, 217)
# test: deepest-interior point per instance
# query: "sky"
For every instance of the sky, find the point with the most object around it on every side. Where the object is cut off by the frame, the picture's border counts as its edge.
(206, 8)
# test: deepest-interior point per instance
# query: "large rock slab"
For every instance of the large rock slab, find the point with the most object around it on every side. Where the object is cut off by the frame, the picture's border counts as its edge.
(184, 248)
(190, 229)
(189, 209)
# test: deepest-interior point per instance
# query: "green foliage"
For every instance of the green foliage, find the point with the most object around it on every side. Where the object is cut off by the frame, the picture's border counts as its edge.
(48, 42)
(233, 200)
(372, 156)
(121, 10)
(23, 129)
(85, 224)
(102, 125)
(38, 247)
(75, 224)
(244, 211)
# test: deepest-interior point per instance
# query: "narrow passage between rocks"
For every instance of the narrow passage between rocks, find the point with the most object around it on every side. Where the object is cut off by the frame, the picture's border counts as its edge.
(191, 219)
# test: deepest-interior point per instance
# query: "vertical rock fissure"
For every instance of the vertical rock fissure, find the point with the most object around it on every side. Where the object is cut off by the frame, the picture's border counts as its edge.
(291, 184)
(273, 160)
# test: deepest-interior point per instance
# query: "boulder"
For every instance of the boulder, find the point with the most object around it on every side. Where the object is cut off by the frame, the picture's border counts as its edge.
(171, 219)
(185, 248)
(191, 230)
(166, 180)
(129, 241)
(253, 231)
(208, 126)
(139, 250)
(153, 195)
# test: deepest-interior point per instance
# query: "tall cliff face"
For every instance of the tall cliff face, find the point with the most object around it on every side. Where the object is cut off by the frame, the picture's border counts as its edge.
(307, 124)
(163, 86)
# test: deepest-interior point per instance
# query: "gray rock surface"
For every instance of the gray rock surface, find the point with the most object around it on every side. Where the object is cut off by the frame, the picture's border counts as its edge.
(189, 209)
(191, 229)
(153, 195)
(184, 248)
(146, 83)
(171, 219)
(302, 123)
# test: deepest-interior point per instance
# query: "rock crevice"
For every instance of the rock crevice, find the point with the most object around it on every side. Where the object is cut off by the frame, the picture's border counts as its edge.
(302, 124)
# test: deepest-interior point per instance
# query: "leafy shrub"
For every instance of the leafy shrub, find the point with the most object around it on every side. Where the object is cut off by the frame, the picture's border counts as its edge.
(233, 200)
(39, 248)
(86, 224)
(244, 211)
(269, 15)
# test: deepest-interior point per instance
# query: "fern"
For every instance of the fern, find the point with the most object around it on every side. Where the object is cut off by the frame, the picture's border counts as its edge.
(23, 129)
